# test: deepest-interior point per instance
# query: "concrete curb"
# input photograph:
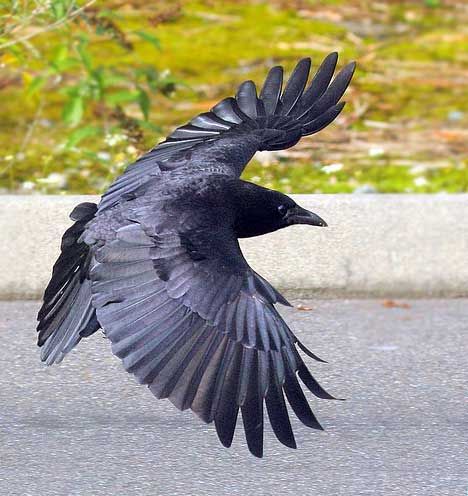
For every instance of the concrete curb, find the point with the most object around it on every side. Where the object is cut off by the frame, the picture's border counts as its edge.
(375, 245)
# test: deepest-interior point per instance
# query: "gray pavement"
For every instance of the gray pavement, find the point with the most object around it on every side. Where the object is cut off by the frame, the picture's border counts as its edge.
(86, 428)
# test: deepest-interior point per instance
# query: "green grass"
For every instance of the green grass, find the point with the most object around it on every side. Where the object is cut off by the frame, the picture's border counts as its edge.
(407, 100)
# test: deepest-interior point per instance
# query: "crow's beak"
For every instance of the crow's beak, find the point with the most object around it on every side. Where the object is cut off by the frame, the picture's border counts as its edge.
(299, 215)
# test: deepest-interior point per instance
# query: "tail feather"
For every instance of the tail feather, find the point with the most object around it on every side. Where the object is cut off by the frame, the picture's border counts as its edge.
(67, 314)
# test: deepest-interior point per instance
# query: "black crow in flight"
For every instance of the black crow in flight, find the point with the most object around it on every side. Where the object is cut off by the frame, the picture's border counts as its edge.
(157, 264)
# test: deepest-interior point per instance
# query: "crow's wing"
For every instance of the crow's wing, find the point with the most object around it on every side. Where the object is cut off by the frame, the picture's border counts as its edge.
(189, 318)
(225, 138)
(274, 120)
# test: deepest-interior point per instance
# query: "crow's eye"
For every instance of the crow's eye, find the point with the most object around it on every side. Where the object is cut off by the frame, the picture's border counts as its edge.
(282, 209)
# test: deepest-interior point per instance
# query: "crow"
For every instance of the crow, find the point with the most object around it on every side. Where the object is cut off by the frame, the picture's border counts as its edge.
(157, 263)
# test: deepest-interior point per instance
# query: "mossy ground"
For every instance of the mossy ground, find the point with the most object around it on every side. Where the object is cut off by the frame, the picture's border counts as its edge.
(403, 130)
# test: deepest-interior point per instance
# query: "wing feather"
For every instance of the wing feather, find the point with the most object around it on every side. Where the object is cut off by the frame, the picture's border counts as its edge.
(277, 410)
(271, 90)
(227, 408)
(295, 86)
(252, 408)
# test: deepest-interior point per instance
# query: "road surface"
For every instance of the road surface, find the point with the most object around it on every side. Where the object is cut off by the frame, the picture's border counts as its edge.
(86, 428)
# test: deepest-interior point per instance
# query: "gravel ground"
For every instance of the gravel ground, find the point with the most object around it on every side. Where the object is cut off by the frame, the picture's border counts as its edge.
(86, 428)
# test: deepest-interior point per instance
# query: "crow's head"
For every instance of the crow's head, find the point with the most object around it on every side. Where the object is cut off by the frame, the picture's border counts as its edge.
(263, 210)
(286, 212)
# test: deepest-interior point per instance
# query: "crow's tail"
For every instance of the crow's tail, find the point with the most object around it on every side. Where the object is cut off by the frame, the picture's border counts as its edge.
(67, 314)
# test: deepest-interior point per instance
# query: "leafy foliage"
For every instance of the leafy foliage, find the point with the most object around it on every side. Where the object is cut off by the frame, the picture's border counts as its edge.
(85, 88)
(51, 46)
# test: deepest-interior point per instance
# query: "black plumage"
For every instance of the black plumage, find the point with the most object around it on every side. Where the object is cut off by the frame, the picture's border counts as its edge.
(157, 264)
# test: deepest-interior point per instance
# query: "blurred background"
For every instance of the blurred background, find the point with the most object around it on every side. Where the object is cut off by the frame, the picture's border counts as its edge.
(86, 87)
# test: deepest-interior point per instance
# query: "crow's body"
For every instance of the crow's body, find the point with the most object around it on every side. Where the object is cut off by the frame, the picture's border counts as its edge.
(157, 264)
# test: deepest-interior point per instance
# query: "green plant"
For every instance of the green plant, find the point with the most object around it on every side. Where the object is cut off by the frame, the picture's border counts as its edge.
(50, 45)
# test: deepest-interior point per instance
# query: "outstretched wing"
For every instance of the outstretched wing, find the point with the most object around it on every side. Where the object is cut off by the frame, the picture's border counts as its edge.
(189, 318)
(227, 137)
(277, 118)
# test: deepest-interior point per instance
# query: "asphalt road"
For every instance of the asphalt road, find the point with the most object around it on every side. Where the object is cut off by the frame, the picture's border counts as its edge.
(86, 428)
